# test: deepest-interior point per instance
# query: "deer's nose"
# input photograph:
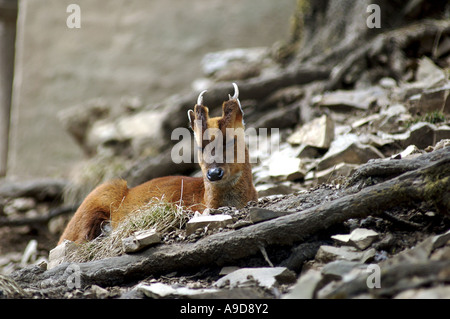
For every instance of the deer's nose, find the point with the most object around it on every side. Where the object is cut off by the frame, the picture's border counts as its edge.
(215, 174)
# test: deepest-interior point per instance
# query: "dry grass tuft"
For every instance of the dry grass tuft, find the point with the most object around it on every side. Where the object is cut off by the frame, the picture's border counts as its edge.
(158, 214)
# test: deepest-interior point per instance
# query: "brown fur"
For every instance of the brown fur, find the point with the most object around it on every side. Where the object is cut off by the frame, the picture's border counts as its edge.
(114, 200)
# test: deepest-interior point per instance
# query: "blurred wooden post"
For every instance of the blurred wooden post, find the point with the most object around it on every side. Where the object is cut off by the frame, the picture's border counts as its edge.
(8, 17)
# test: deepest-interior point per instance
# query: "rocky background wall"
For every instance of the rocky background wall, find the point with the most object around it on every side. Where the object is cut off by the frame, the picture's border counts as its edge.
(360, 183)
(126, 54)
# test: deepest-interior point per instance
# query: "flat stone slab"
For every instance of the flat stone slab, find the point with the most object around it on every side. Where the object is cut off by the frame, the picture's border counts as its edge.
(160, 290)
(210, 221)
(266, 277)
(361, 238)
(305, 287)
(58, 254)
(330, 253)
(140, 240)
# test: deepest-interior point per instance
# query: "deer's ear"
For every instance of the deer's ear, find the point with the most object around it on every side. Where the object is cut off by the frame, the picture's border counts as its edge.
(198, 120)
(199, 116)
(232, 116)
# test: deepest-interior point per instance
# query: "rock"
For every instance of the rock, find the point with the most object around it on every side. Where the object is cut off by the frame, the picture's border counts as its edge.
(136, 131)
(429, 73)
(157, 290)
(257, 214)
(442, 133)
(160, 290)
(281, 188)
(211, 211)
(78, 120)
(217, 61)
(348, 149)
(22, 204)
(439, 292)
(211, 222)
(366, 120)
(282, 168)
(439, 241)
(421, 134)
(305, 287)
(265, 277)
(143, 128)
(283, 117)
(408, 152)
(238, 70)
(360, 238)
(442, 144)
(99, 292)
(339, 170)
(327, 253)
(318, 133)
(392, 118)
(284, 96)
(374, 140)
(342, 100)
(388, 83)
(58, 254)
(418, 253)
(431, 100)
(140, 240)
(308, 151)
(425, 134)
(336, 270)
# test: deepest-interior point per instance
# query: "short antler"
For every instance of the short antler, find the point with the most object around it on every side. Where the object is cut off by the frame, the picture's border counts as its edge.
(236, 93)
(200, 97)
(236, 97)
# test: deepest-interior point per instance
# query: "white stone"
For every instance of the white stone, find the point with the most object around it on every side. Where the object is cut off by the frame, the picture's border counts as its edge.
(210, 221)
(353, 99)
(348, 149)
(439, 292)
(140, 240)
(429, 73)
(283, 168)
(266, 277)
(339, 170)
(58, 254)
(319, 133)
(441, 240)
(361, 238)
(160, 290)
(410, 150)
(305, 287)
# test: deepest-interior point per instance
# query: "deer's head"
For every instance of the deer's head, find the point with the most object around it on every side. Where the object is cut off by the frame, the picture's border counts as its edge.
(220, 140)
